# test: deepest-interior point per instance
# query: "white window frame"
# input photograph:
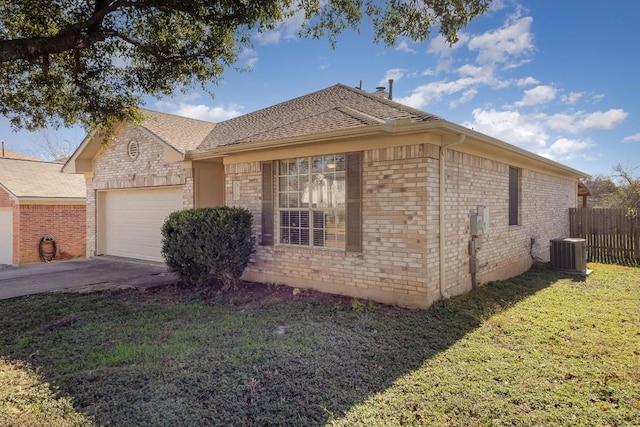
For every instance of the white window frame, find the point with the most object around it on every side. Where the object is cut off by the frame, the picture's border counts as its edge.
(317, 238)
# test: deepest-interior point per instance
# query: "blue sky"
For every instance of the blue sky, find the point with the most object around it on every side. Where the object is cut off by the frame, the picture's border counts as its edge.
(560, 79)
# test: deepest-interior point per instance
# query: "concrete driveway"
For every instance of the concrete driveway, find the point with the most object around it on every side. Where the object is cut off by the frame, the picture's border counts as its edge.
(82, 275)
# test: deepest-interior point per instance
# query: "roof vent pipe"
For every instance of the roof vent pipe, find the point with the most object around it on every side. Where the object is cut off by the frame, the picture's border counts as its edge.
(380, 89)
(390, 89)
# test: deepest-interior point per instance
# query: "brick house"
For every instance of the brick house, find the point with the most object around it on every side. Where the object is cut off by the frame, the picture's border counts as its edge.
(351, 194)
(37, 200)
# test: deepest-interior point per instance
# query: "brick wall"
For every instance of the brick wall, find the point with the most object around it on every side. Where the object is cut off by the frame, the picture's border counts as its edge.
(400, 259)
(505, 252)
(66, 223)
(396, 228)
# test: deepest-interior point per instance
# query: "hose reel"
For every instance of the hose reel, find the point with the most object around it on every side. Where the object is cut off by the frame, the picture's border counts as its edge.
(47, 248)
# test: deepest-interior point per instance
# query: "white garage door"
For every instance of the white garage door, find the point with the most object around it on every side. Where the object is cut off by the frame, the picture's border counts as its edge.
(132, 220)
(6, 235)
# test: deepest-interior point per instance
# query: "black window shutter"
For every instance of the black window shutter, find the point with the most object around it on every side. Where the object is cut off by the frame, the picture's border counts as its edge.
(354, 202)
(267, 203)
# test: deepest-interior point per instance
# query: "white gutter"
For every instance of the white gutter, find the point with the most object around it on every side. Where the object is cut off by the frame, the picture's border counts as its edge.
(443, 263)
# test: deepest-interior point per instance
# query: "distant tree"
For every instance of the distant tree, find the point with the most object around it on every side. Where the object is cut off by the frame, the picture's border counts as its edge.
(53, 150)
(91, 61)
(603, 191)
(628, 189)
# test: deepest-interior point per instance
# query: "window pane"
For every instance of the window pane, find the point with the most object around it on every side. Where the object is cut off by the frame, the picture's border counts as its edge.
(284, 235)
(293, 168)
(283, 200)
(318, 229)
(284, 219)
(335, 230)
(303, 166)
(304, 236)
(304, 191)
(318, 164)
(514, 195)
(283, 182)
(293, 200)
(284, 167)
(336, 194)
(294, 217)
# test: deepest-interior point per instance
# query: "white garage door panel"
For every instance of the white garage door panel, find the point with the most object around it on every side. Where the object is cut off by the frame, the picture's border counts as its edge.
(6, 235)
(133, 219)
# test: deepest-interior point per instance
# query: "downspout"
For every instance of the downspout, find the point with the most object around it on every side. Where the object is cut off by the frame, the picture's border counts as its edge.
(443, 264)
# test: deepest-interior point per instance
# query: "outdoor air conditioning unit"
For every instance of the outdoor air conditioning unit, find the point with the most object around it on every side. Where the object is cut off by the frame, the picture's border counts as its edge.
(569, 255)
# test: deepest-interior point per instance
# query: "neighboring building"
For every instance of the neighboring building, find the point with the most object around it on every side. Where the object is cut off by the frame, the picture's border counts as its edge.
(351, 194)
(36, 201)
(8, 154)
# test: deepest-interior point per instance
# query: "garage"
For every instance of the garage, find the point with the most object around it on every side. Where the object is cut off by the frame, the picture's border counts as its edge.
(131, 220)
(6, 235)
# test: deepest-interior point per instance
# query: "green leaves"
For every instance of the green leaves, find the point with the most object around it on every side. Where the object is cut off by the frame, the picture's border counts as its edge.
(90, 62)
(203, 241)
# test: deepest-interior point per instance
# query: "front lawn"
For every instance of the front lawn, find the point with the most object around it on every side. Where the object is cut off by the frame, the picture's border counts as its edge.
(541, 349)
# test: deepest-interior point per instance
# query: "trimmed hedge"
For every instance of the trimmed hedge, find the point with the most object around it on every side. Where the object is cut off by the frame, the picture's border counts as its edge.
(203, 242)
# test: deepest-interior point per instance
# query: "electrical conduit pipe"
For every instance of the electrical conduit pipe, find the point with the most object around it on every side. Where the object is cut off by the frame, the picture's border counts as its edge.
(443, 263)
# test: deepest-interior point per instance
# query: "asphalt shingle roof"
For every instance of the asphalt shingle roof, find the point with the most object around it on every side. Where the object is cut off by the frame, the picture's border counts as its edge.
(14, 155)
(182, 133)
(334, 108)
(28, 178)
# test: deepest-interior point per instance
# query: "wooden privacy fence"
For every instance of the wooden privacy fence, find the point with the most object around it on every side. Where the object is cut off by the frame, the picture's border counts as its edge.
(610, 234)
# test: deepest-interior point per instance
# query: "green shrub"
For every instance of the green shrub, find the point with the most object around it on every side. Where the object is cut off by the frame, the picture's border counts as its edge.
(198, 243)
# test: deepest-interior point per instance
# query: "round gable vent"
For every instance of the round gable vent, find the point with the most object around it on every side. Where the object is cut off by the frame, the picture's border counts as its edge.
(133, 149)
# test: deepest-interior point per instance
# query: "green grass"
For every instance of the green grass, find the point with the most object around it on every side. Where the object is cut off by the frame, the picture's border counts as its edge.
(541, 349)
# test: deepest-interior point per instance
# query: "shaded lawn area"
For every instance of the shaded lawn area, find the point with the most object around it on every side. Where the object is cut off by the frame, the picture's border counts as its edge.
(540, 349)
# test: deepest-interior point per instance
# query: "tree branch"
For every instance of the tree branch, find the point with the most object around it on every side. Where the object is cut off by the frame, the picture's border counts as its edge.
(32, 49)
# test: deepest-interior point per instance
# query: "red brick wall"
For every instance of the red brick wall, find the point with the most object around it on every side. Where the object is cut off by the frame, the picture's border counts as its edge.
(5, 201)
(66, 223)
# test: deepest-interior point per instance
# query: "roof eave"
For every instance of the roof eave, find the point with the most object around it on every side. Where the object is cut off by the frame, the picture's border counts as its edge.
(51, 200)
(81, 159)
(520, 152)
(396, 127)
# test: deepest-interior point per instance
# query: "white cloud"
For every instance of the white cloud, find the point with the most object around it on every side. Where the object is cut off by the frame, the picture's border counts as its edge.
(440, 46)
(216, 113)
(503, 45)
(434, 91)
(405, 47)
(632, 138)
(466, 96)
(527, 81)
(443, 51)
(536, 96)
(532, 131)
(288, 29)
(564, 148)
(511, 127)
(393, 73)
(581, 121)
(268, 37)
(572, 97)
(249, 58)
